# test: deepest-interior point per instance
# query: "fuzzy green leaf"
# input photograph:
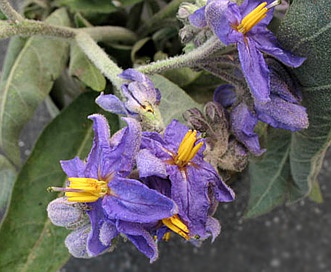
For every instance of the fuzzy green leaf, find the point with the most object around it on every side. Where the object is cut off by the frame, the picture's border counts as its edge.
(7, 179)
(29, 81)
(81, 67)
(306, 31)
(269, 175)
(29, 242)
(175, 101)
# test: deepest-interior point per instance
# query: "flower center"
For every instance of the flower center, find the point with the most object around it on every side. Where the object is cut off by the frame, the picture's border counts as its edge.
(255, 16)
(176, 225)
(83, 189)
(187, 149)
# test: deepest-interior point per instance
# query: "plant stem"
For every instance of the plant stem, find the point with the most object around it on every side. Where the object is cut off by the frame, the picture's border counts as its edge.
(99, 58)
(186, 60)
(32, 28)
(111, 34)
(10, 12)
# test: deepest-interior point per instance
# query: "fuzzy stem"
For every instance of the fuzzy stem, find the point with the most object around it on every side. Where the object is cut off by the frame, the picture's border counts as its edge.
(111, 34)
(31, 28)
(186, 60)
(99, 58)
(10, 12)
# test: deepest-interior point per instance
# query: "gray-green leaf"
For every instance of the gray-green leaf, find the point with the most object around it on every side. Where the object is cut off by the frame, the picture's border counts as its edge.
(29, 242)
(175, 101)
(7, 178)
(88, 6)
(29, 81)
(81, 67)
(269, 176)
(306, 31)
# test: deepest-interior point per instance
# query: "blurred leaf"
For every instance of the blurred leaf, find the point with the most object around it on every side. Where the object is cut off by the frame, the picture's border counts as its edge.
(88, 6)
(29, 81)
(81, 67)
(306, 31)
(175, 101)
(15, 46)
(29, 242)
(182, 76)
(7, 178)
(268, 187)
(164, 18)
(126, 3)
(80, 21)
(316, 194)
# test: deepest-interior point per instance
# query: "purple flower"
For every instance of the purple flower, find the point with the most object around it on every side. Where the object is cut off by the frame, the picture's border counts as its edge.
(246, 26)
(142, 99)
(102, 184)
(243, 122)
(178, 155)
(282, 111)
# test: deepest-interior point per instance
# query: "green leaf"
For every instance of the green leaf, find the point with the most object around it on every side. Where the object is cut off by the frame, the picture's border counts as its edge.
(126, 3)
(7, 178)
(268, 187)
(29, 81)
(81, 67)
(306, 31)
(29, 242)
(15, 46)
(182, 76)
(175, 101)
(316, 194)
(88, 6)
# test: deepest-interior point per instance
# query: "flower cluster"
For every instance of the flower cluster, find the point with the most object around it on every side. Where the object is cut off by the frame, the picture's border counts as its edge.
(176, 191)
(245, 26)
(148, 180)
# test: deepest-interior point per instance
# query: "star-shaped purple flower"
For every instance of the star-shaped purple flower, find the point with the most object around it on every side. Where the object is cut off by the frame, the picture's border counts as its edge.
(115, 202)
(178, 155)
(246, 27)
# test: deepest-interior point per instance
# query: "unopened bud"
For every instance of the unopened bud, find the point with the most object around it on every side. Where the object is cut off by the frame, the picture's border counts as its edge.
(76, 242)
(235, 158)
(67, 214)
(185, 10)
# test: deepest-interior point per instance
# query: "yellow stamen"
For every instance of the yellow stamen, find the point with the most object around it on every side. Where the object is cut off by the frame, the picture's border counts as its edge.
(83, 189)
(187, 150)
(149, 108)
(255, 16)
(176, 225)
(166, 236)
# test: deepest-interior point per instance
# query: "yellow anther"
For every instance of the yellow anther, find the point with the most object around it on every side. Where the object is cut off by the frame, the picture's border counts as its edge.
(187, 150)
(149, 108)
(166, 236)
(255, 16)
(83, 189)
(176, 225)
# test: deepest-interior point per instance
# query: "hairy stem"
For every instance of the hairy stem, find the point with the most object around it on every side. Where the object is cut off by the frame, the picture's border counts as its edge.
(111, 34)
(10, 12)
(186, 60)
(99, 58)
(32, 28)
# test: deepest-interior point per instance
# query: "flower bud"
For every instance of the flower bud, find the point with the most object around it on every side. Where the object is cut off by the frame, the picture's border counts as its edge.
(76, 242)
(67, 214)
(235, 158)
